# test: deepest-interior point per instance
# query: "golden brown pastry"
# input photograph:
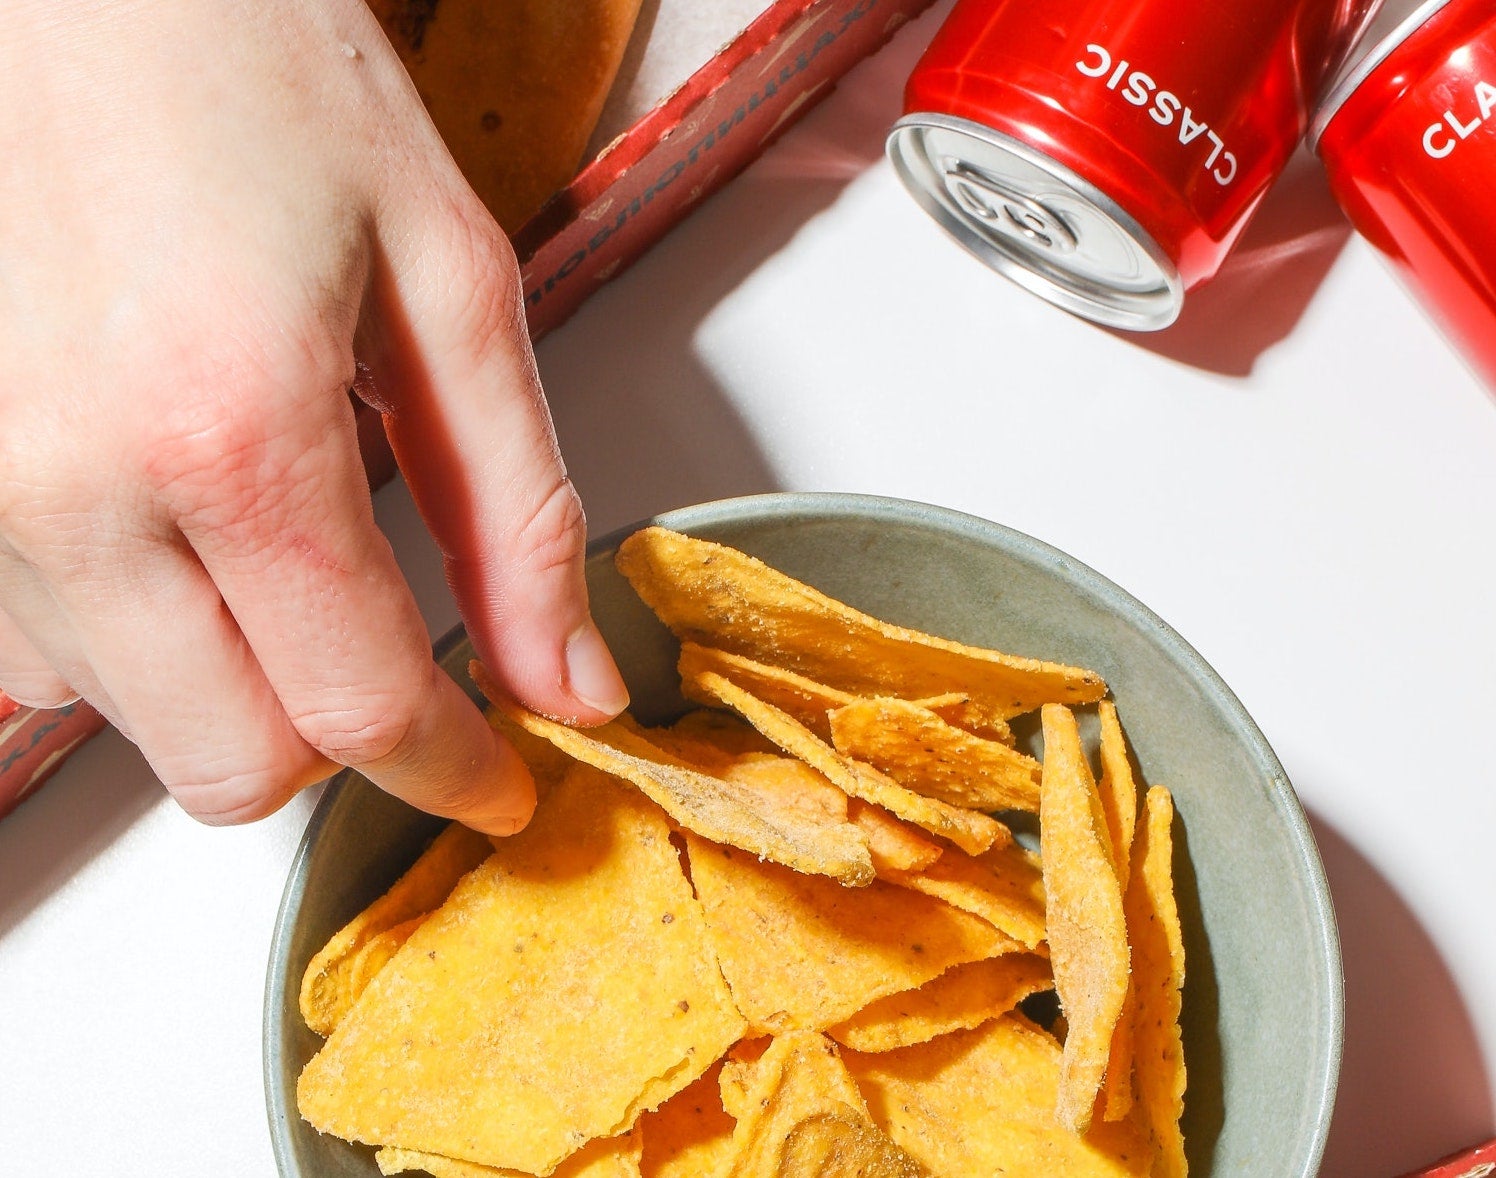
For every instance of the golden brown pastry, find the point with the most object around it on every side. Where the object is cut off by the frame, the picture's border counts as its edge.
(514, 86)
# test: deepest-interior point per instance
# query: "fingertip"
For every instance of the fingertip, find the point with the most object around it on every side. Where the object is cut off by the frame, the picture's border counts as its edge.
(508, 801)
(592, 677)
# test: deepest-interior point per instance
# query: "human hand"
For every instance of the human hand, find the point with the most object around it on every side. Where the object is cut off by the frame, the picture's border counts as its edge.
(207, 210)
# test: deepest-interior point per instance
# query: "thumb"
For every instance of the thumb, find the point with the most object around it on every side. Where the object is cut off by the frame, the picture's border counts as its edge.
(450, 355)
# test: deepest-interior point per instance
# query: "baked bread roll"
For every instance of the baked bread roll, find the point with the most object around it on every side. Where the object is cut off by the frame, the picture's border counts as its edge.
(514, 86)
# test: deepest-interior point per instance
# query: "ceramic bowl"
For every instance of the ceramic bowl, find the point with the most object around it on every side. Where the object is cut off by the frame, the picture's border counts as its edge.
(1263, 999)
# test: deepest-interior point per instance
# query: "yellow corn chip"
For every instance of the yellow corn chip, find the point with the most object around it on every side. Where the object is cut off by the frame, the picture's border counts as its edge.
(1158, 980)
(525, 1017)
(805, 1118)
(337, 975)
(547, 764)
(1117, 788)
(690, 1134)
(610, 1157)
(963, 997)
(958, 709)
(968, 829)
(791, 784)
(738, 1068)
(1083, 912)
(706, 737)
(1003, 886)
(1116, 1097)
(1118, 792)
(894, 845)
(801, 951)
(716, 596)
(720, 809)
(982, 1102)
(922, 752)
(795, 695)
(809, 702)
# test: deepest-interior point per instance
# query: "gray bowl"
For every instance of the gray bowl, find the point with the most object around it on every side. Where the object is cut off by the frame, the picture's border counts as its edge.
(1263, 1001)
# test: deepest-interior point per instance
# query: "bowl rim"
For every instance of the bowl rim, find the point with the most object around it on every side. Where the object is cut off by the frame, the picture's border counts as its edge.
(835, 505)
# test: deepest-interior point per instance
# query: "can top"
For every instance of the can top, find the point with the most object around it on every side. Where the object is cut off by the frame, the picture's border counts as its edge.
(1392, 24)
(1035, 221)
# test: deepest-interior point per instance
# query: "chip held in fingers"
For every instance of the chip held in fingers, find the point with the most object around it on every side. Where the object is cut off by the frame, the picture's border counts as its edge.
(789, 934)
(729, 811)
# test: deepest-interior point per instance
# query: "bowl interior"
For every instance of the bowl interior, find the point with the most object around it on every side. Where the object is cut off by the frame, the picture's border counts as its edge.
(1263, 995)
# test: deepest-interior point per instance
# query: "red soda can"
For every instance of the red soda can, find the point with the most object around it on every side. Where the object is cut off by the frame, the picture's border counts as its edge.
(1407, 133)
(1107, 154)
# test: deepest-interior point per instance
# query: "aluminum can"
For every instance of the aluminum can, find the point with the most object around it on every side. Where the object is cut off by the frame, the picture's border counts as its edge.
(1407, 133)
(1107, 154)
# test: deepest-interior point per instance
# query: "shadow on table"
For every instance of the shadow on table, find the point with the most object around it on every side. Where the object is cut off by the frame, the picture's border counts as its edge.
(70, 820)
(1413, 1085)
(1266, 284)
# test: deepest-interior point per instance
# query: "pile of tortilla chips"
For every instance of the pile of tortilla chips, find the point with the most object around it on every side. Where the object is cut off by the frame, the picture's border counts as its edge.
(788, 934)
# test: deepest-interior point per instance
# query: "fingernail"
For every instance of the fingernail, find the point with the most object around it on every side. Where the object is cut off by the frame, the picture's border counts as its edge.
(591, 674)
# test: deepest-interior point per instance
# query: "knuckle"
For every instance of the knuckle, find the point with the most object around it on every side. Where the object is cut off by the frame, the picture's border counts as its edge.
(553, 535)
(226, 459)
(45, 495)
(485, 286)
(231, 797)
(362, 733)
(37, 689)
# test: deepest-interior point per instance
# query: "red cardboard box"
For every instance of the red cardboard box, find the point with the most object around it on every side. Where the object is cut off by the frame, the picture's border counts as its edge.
(626, 199)
(1476, 1162)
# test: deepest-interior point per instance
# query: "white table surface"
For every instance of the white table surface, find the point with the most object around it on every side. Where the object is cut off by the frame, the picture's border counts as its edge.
(1300, 478)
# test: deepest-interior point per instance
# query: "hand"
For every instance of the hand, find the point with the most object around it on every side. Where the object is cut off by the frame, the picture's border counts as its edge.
(207, 210)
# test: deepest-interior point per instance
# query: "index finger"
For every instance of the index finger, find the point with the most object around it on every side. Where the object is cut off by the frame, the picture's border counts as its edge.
(275, 504)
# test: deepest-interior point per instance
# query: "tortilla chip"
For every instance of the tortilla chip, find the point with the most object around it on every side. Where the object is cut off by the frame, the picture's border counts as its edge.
(958, 709)
(983, 1101)
(515, 88)
(806, 1119)
(547, 764)
(894, 845)
(690, 1134)
(1117, 789)
(968, 829)
(1116, 1097)
(1083, 912)
(1004, 887)
(738, 1069)
(922, 752)
(525, 1017)
(810, 702)
(610, 1157)
(793, 785)
(718, 597)
(725, 811)
(704, 737)
(337, 975)
(1158, 981)
(802, 952)
(795, 695)
(963, 997)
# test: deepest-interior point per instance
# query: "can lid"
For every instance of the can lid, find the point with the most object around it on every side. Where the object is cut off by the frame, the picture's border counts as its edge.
(1393, 22)
(1037, 222)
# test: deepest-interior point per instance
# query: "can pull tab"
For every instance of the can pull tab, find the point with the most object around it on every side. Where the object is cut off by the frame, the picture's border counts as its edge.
(1006, 210)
